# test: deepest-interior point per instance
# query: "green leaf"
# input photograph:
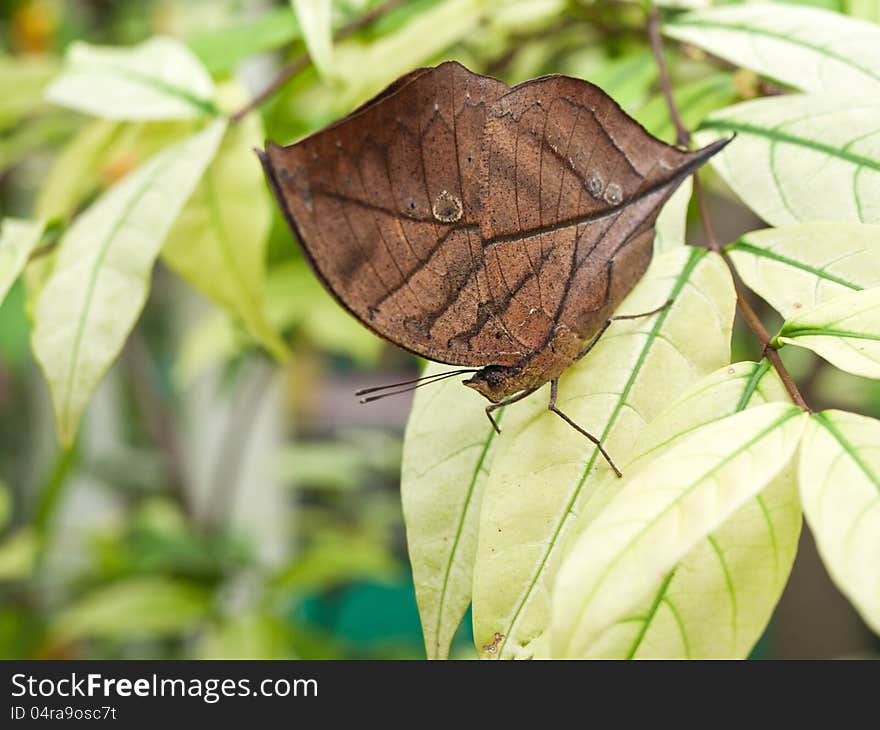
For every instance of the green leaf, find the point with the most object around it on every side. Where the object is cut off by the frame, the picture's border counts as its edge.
(808, 48)
(98, 155)
(22, 80)
(796, 267)
(102, 269)
(544, 472)
(249, 635)
(845, 331)
(18, 554)
(447, 449)
(39, 134)
(718, 599)
(368, 68)
(867, 9)
(802, 158)
(839, 476)
(158, 79)
(670, 229)
(694, 101)
(222, 50)
(316, 23)
(663, 510)
(18, 238)
(218, 243)
(147, 606)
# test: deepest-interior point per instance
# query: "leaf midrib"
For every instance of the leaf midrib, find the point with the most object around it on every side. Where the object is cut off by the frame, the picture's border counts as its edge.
(93, 281)
(460, 529)
(791, 413)
(156, 84)
(807, 331)
(746, 247)
(693, 259)
(752, 30)
(775, 135)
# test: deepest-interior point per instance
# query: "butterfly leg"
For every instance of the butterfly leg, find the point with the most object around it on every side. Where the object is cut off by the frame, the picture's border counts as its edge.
(595, 338)
(554, 391)
(505, 402)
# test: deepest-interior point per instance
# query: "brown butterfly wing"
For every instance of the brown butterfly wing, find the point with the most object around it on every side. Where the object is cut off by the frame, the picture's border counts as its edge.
(571, 189)
(386, 204)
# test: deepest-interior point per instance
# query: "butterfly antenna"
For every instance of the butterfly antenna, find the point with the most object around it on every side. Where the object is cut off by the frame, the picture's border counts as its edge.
(406, 386)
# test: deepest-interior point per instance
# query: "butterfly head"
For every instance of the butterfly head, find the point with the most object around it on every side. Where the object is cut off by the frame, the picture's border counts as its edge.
(494, 382)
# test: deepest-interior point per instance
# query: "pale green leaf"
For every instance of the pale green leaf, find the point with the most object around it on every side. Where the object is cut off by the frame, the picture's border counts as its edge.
(18, 554)
(221, 50)
(802, 158)
(158, 79)
(218, 243)
(867, 9)
(18, 238)
(670, 229)
(295, 302)
(368, 68)
(98, 155)
(22, 80)
(662, 511)
(845, 331)
(101, 275)
(316, 24)
(718, 599)
(148, 606)
(839, 475)
(447, 450)
(808, 48)
(796, 267)
(544, 471)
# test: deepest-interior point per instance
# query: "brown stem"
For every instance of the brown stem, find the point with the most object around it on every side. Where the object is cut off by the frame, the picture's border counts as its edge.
(684, 139)
(294, 67)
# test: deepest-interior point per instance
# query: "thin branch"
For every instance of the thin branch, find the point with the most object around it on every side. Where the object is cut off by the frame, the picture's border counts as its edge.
(294, 67)
(684, 139)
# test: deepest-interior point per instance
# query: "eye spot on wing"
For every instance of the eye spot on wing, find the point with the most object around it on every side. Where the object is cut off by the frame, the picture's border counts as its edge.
(613, 194)
(447, 208)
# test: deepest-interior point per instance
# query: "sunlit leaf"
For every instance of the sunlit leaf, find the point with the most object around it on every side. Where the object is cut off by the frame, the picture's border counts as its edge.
(149, 606)
(447, 450)
(18, 238)
(218, 243)
(845, 331)
(719, 597)
(808, 48)
(158, 79)
(839, 475)
(544, 471)
(101, 153)
(101, 275)
(316, 24)
(671, 225)
(662, 511)
(802, 158)
(796, 267)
